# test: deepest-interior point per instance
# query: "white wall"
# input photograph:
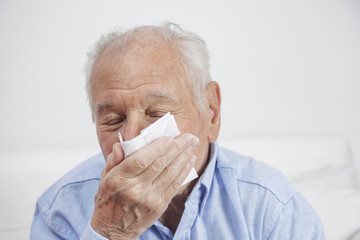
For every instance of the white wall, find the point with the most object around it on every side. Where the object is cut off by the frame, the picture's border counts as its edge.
(284, 66)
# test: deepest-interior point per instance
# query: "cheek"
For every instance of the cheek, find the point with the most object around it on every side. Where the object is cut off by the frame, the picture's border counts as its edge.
(106, 142)
(194, 124)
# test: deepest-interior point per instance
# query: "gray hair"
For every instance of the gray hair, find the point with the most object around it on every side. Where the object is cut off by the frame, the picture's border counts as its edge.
(189, 47)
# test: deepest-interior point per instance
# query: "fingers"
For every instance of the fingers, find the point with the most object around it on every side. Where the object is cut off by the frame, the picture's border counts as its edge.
(181, 150)
(176, 172)
(135, 191)
(157, 154)
(114, 158)
(174, 186)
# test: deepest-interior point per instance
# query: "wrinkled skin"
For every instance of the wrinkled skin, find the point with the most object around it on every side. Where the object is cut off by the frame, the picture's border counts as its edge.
(129, 92)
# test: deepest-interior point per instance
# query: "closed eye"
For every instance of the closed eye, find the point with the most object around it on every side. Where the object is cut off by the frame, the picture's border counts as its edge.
(155, 114)
(114, 120)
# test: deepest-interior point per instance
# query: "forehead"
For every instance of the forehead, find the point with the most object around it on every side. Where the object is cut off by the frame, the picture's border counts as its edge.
(138, 63)
(137, 71)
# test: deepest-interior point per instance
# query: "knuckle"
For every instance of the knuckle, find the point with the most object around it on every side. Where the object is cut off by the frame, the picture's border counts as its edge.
(134, 192)
(153, 168)
(140, 161)
(149, 205)
(171, 171)
(188, 152)
(158, 165)
(162, 160)
(174, 186)
(110, 184)
(183, 141)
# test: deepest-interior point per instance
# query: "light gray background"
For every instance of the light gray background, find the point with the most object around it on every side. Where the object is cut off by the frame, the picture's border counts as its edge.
(284, 67)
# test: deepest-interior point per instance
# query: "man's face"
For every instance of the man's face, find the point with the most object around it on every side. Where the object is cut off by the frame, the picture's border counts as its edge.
(135, 89)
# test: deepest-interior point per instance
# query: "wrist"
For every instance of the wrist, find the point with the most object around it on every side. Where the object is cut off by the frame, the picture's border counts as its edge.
(112, 232)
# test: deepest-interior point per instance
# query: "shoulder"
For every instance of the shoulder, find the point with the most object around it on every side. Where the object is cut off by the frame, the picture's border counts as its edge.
(266, 197)
(253, 174)
(84, 177)
(65, 208)
(305, 223)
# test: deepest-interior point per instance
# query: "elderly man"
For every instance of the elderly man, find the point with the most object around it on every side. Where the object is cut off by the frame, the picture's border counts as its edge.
(133, 79)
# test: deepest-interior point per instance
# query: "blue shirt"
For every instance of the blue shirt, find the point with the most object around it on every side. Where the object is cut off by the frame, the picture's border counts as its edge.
(236, 197)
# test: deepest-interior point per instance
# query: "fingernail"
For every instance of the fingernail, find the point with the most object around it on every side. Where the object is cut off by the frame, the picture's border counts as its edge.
(195, 143)
(188, 138)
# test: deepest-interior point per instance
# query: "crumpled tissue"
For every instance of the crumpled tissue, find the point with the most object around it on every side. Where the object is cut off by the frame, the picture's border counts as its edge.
(165, 126)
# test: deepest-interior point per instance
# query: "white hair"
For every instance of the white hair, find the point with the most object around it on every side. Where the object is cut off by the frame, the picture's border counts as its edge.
(189, 47)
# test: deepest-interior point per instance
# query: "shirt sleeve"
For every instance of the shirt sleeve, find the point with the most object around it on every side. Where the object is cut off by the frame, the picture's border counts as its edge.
(90, 234)
(297, 220)
(40, 230)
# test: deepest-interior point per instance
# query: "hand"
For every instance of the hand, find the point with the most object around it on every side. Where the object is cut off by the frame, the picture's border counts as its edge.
(135, 191)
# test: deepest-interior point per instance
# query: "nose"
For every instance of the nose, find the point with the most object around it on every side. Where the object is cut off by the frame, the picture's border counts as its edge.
(132, 127)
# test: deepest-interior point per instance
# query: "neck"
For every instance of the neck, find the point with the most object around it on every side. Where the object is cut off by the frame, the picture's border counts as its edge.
(172, 216)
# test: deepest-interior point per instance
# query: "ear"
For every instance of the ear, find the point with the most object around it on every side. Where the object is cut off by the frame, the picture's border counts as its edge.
(213, 97)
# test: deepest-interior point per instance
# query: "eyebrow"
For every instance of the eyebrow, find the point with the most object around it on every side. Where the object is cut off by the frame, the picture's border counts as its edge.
(160, 95)
(103, 106)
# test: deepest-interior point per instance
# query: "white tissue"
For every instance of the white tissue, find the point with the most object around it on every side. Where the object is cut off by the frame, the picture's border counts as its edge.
(165, 126)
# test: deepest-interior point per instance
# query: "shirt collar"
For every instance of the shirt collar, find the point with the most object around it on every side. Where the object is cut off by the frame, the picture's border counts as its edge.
(206, 179)
(200, 192)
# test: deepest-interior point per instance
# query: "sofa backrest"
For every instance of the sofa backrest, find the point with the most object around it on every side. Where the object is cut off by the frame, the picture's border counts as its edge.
(295, 155)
